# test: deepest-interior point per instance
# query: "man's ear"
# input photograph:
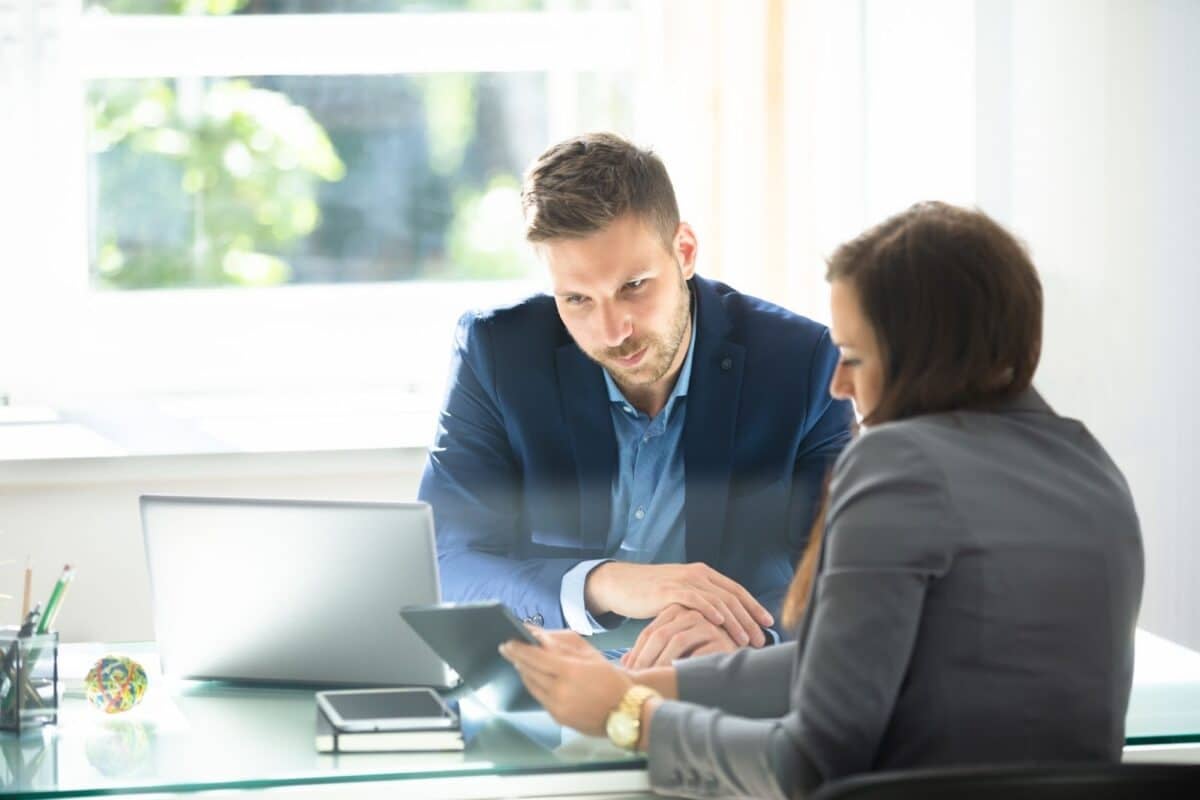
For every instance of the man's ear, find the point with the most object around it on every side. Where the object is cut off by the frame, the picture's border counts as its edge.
(685, 247)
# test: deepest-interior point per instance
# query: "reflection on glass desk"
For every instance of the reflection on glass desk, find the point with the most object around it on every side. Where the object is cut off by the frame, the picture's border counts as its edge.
(195, 735)
(192, 735)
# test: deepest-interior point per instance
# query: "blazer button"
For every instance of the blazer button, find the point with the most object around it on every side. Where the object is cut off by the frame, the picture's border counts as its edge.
(726, 363)
(539, 620)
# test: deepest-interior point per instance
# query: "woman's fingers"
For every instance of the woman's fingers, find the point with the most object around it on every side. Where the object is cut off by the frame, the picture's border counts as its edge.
(531, 658)
(539, 685)
(539, 681)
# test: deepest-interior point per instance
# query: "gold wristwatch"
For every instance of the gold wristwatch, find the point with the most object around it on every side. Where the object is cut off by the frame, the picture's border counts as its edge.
(624, 725)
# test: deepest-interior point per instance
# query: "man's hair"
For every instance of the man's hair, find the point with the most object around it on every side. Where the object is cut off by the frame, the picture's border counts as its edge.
(955, 304)
(579, 186)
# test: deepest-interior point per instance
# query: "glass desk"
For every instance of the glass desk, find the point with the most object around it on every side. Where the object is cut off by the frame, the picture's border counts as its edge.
(188, 736)
(1164, 707)
(192, 735)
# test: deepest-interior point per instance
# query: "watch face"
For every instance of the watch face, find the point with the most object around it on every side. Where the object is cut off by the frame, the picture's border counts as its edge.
(622, 729)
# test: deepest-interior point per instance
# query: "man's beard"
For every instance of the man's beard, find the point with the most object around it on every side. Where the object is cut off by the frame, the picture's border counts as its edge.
(661, 351)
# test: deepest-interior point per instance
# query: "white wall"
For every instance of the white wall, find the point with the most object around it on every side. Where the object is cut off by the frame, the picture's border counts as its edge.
(1074, 123)
(86, 513)
(1166, 427)
(1097, 171)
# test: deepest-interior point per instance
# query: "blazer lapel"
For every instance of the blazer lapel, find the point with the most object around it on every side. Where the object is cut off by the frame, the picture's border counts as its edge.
(712, 407)
(584, 400)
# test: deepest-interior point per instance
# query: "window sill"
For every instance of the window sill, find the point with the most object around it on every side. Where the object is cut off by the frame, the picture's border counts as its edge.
(69, 470)
(213, 435)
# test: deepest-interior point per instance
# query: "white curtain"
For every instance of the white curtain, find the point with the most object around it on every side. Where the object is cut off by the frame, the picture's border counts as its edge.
(36, 146)
(714, 104)
(789, 125)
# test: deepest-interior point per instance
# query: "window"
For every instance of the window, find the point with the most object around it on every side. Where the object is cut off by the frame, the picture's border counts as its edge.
(280, 195)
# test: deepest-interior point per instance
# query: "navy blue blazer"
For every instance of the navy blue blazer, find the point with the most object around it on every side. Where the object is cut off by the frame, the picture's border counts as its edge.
(521, 471)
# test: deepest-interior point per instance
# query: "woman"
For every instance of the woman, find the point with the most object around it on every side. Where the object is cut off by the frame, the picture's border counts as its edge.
(980, 572)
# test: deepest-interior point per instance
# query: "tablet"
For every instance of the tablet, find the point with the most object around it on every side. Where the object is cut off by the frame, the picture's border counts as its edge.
(467, 636)
(386, 710)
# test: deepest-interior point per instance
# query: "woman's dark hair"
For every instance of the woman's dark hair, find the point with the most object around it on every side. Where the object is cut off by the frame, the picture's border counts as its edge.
(956, 308)
(955, 304)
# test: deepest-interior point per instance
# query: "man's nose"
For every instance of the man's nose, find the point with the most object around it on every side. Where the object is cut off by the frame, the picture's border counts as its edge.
(617, 326)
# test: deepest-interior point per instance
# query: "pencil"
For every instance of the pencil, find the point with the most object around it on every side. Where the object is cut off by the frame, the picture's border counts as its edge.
(27, 597)
(55, 601)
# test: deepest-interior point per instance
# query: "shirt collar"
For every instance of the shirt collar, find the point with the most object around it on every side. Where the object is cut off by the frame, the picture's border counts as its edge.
(615, 394)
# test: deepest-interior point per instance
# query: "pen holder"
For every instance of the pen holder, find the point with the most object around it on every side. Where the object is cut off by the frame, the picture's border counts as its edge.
(28, 680)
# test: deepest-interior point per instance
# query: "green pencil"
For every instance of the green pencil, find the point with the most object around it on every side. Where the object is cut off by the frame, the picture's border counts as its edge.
(56, 595)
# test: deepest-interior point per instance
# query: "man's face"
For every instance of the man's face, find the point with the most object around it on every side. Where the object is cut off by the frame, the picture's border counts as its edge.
(621, 294)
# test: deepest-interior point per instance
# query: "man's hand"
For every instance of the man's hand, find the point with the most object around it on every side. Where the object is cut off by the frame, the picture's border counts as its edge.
(678, 632)
(646, 590)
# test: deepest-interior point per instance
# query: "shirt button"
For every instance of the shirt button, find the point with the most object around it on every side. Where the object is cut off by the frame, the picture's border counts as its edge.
(628, 409)
(539, 620)
(640, 513)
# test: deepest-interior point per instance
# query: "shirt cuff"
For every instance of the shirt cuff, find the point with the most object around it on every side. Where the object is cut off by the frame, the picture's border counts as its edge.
(571, 598)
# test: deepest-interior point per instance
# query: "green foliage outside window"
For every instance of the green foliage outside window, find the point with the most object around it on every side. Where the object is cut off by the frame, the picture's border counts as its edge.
(242, 166)
(218, 182)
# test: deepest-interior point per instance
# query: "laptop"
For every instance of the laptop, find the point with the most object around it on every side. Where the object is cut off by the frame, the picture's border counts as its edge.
(291, 591)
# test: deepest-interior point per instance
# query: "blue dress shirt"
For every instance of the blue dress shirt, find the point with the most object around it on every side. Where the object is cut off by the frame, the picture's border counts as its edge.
(648, 525)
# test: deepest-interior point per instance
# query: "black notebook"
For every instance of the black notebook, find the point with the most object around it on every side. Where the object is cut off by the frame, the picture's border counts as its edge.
(330, 739)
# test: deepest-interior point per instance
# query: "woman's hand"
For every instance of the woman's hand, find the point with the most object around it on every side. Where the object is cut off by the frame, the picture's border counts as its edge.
(570, 678)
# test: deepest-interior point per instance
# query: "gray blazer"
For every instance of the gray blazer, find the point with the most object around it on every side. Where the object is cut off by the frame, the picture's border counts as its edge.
(979, 585)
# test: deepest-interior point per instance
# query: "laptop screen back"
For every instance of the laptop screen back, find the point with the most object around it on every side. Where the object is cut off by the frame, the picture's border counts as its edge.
(297, 592)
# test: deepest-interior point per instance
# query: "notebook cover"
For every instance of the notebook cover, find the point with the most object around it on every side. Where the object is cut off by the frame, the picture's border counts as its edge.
(330, 739)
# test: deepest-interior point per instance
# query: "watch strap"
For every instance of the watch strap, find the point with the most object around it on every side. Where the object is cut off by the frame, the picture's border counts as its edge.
(631, 707)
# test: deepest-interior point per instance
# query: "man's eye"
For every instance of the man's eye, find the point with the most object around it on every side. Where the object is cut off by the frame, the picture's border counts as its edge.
(850, 362)
(574, 299)
(636, 284)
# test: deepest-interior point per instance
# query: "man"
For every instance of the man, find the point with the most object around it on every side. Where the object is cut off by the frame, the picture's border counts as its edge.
(645, 443)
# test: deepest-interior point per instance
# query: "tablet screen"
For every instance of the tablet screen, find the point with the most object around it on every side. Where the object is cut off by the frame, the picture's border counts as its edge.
(353, 706)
